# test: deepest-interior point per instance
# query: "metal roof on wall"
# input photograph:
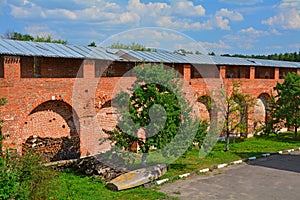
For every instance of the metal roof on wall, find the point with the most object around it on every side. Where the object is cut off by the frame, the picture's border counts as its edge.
(274, 63)
(42, 49)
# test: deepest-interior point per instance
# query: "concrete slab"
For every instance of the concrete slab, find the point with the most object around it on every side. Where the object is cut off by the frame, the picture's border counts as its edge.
(137, 177)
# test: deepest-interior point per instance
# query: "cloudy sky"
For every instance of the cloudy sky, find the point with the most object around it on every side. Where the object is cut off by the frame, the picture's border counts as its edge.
(222, 26)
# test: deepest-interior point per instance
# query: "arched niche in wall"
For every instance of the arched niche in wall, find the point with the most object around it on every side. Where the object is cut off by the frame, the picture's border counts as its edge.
(52, 128)
(261, 108)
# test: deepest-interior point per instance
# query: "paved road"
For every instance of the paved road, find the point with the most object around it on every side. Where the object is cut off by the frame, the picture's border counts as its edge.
(273, 178)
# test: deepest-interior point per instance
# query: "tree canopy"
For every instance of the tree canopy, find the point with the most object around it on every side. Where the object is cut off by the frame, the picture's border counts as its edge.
(133, 46)
(157, 110)
(293, 57)
(286, 107)
(27, 37)
(236, 112)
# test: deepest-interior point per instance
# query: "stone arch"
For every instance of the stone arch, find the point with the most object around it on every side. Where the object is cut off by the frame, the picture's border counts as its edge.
(52, 128)
(261, 107)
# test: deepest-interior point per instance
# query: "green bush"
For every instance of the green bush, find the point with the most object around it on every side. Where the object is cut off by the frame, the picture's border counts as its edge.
(25, 177)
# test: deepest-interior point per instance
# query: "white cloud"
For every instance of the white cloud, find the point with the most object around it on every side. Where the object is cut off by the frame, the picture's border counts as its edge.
(274, 47)
(215, 45)
(295, 46)
(232, 15)
(241, 2)
(204, 47)
(60, 13)
(178, 14)
(150, 9)
(288, 16)
(242, 41)
(221, 19)
(216, 21)
(151, 34)
(187, 8)
(40, 30)
(168, 22)
(20, 12)
(252, 32)
(159, 38)
(128, 17)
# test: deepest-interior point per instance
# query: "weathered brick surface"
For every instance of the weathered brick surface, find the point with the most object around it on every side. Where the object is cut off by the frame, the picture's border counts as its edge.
(59, 105)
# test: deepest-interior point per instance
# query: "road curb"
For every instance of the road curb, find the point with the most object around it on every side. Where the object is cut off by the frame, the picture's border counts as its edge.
(219, 166)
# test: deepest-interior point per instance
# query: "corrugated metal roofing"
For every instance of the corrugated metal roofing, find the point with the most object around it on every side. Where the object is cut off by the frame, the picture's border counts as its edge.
(274, 63)
(27, 48)
(147, 56)
(223, 60)
(168, 57)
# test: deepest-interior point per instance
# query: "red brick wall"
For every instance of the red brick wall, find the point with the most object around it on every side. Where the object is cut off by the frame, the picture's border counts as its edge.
(26, 94)
(50, 67)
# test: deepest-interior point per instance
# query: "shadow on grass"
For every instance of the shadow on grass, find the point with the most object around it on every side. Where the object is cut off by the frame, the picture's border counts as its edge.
(282, 137)
(179, 167)
(245, 155)
(287, 162)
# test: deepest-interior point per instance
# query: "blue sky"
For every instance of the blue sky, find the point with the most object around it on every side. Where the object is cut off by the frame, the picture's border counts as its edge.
(222, 26)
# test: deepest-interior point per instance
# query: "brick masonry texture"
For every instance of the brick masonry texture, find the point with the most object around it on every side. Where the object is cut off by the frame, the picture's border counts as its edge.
(56, 104)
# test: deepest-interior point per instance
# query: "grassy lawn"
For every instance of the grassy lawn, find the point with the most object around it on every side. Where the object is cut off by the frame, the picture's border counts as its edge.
(238, 150)
(75, 187)
(72, 187)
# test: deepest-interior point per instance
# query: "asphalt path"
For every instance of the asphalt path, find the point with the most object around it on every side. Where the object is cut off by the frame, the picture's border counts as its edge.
(273, 178)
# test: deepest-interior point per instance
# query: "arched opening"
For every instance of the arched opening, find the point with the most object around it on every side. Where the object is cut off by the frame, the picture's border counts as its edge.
(205, 107)
(52, 129)
(261, 115)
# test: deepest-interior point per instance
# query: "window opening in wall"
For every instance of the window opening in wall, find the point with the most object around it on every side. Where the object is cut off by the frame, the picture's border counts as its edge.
(2, 67)
(207, 71)
(264, 72)
(36, 67)
(237, 72)
(113, 70)
(285, 71)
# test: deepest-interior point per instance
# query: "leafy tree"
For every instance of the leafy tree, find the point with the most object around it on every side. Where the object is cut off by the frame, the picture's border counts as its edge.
(287, 105)
(183, 51)
(294, 57)
(201, 133)
(2, 137)
(156, 107)
(198, 52)
(27, 37)
(212, 53)
(92, 44)
(133, 46)
(236, 112)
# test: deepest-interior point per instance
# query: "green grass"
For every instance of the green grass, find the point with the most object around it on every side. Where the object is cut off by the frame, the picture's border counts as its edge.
(239, 149)
(74, 187)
